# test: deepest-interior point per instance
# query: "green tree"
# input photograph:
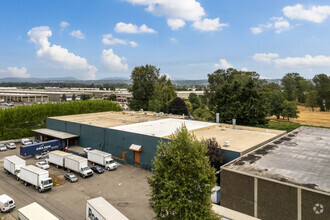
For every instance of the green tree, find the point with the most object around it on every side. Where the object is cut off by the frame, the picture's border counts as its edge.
(311, 100)
(144, 79)
(203, 113)
(290, 86)
(276, 103)
(73, 97)
(237, 94)
(182, 179)
(178, 107)
(162, 96)
(194, 100)
(322, 86)
(112, 97)
(189, 107)
(63, 97)
(290, 110)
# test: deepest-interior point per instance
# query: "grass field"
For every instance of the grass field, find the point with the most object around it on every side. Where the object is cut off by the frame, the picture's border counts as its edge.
(308, 117)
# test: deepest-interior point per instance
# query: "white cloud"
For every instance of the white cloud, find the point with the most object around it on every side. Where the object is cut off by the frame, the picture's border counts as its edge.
(189, 10)
(63, 25)
(176, 24)
(303, 62)
(224, 64)
(279, 24)
(113, 62)
(14, 72)
(58, 56)
(173, 40)
(245, 69)
(265, 57)
(209, 25)
(108, 39)
(316, 14)
(77, 34)
(133, 29)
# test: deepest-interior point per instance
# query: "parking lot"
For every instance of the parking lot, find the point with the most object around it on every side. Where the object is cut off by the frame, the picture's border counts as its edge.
(125, 188)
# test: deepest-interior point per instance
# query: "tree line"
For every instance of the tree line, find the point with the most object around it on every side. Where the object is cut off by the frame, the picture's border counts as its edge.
(17, 122)
(235, 94)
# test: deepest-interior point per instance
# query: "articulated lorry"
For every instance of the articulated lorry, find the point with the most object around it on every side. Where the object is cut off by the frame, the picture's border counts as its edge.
(78, 164)
(34, 211)
(98, 208)
(102, 158)
(37, 177)
(57, 158)
(37, 148)
(13, 164)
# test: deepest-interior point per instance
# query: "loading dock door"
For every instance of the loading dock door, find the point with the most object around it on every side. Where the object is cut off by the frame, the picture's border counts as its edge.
(137, 151)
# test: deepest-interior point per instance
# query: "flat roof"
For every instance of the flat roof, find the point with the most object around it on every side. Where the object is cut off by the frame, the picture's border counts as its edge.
(36, 212)
(112, 119)
(301, 158)
(162, 128)
(105, 209)
(241, 139)
(54, 133)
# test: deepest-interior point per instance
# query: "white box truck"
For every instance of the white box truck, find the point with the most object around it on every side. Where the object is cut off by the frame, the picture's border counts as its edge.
(78, 164)
(34, 211)
(13, 164)
(57, 158)
(101, 209)
(102, 158)
(37, 177)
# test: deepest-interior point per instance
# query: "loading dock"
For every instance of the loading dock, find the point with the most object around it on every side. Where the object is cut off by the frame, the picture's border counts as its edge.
(45, 134)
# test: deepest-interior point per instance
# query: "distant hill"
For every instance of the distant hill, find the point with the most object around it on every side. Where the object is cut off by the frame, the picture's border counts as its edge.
(37, 80)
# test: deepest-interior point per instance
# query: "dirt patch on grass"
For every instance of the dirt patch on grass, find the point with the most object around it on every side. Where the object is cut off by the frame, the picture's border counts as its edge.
(57, 180)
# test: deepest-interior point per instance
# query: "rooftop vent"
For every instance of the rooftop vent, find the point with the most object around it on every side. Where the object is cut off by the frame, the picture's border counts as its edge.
(227, 144)
(223, 128)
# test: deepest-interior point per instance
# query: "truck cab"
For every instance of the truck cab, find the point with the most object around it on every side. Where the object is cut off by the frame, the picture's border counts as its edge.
(17, 174)
(86, 172)
(110, 164)
(6, 203)
(45, 184)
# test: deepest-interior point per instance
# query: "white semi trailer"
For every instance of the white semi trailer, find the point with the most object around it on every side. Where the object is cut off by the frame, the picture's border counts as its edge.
(13, 164)
(57, 158)
(102, 158)
(78, 164)
(34, 211)
(37, 177)
(99, 208)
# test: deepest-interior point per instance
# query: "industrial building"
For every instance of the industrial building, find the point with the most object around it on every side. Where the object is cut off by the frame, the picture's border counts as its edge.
(288, 178)
(24, 97)
(133, 137)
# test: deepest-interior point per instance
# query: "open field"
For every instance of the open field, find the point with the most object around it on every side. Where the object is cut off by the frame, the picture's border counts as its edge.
(125, 188)
(308, 117)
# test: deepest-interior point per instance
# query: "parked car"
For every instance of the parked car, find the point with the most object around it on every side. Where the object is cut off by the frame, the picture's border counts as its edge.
(9, 104)
(87, 149)
(43, 165)
(6, 203)
(3, 147)
(70, 177)
(11, 145)
(26, 141)
(97, 169)
(42, 155)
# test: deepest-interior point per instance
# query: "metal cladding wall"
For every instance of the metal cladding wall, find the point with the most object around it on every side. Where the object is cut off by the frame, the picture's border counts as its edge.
(110, 140)
(315, 206)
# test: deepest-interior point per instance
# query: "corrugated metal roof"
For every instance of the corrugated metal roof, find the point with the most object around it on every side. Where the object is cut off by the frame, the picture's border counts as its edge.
(105, 209)
(54, 133)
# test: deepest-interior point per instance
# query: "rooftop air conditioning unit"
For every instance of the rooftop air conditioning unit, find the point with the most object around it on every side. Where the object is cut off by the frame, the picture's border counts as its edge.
(227, 144)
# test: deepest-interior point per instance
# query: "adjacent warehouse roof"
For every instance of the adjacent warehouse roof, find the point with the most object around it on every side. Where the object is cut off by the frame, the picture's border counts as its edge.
(301, 157)
(54, 133)
(162, 128)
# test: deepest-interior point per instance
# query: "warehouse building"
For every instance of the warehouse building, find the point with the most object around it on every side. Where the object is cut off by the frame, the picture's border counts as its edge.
(133, 136)
(23, 97)
(288, 178)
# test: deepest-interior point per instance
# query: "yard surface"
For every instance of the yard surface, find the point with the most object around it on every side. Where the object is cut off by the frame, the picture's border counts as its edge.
(309, 117)
(125, 188)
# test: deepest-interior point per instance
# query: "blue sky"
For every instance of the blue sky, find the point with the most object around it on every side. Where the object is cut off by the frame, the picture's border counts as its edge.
(186, 39)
